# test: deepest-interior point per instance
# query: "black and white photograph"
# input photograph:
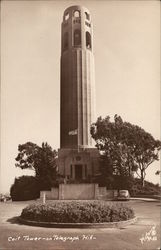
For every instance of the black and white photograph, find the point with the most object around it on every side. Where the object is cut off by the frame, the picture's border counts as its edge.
(80, 125)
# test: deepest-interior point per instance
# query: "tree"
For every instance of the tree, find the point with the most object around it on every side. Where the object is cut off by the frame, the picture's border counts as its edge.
(125, 146)
(42, 160)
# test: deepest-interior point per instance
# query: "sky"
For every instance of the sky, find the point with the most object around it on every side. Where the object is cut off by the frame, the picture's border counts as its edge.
(126, 38)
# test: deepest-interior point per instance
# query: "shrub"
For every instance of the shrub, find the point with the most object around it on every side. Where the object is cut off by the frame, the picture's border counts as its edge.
(77, 212)
(148, 189)
(25, 188)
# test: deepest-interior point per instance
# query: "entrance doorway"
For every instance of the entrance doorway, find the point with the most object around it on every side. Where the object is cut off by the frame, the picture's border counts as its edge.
(78, 172)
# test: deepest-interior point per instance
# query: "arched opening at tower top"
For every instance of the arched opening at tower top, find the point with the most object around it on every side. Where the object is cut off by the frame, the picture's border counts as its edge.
(66, 16)
(87, 16)
(76, 13)
(88, 40)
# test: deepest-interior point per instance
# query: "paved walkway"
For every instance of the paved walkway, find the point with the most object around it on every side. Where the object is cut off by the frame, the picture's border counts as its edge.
(145, 234)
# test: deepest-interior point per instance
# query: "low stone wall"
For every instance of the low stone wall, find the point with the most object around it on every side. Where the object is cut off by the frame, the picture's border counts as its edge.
(72, 192)
(110, 194)
(90, 191)
(55, 193)
(106, 194)
(102, 190)
(78, 191)
(50, 195)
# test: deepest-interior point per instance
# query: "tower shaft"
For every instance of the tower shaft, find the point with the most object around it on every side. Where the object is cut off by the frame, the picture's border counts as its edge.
(77, 78)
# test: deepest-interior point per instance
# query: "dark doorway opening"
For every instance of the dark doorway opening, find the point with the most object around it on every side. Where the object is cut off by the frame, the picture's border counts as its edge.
(78, 172)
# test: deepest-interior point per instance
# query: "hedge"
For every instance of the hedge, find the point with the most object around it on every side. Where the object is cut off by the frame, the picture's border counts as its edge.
(78, 212)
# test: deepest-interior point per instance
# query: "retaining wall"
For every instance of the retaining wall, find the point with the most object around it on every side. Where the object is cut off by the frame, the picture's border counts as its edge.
(72, 192)
(90, 191)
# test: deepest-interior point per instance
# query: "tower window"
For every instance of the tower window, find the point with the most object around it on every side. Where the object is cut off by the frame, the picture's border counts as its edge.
(71, 171)
(66, 16)
(88, 24)
(65, 45)
(77, 37)
(88, 40)
(76, 13)
(87, 15)
(76, 20)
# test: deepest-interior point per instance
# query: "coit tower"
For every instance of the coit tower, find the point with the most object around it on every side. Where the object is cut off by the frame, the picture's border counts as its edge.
(77, 94)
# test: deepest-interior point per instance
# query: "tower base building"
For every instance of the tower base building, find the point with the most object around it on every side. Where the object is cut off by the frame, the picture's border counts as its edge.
(79, 166)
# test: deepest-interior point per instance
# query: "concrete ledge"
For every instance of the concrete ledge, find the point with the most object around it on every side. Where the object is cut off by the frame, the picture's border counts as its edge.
(147, 197)
(79, 225)
(144, 199)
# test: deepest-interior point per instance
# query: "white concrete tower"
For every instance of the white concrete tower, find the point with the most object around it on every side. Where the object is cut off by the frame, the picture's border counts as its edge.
(77, 78)
(77, 159)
